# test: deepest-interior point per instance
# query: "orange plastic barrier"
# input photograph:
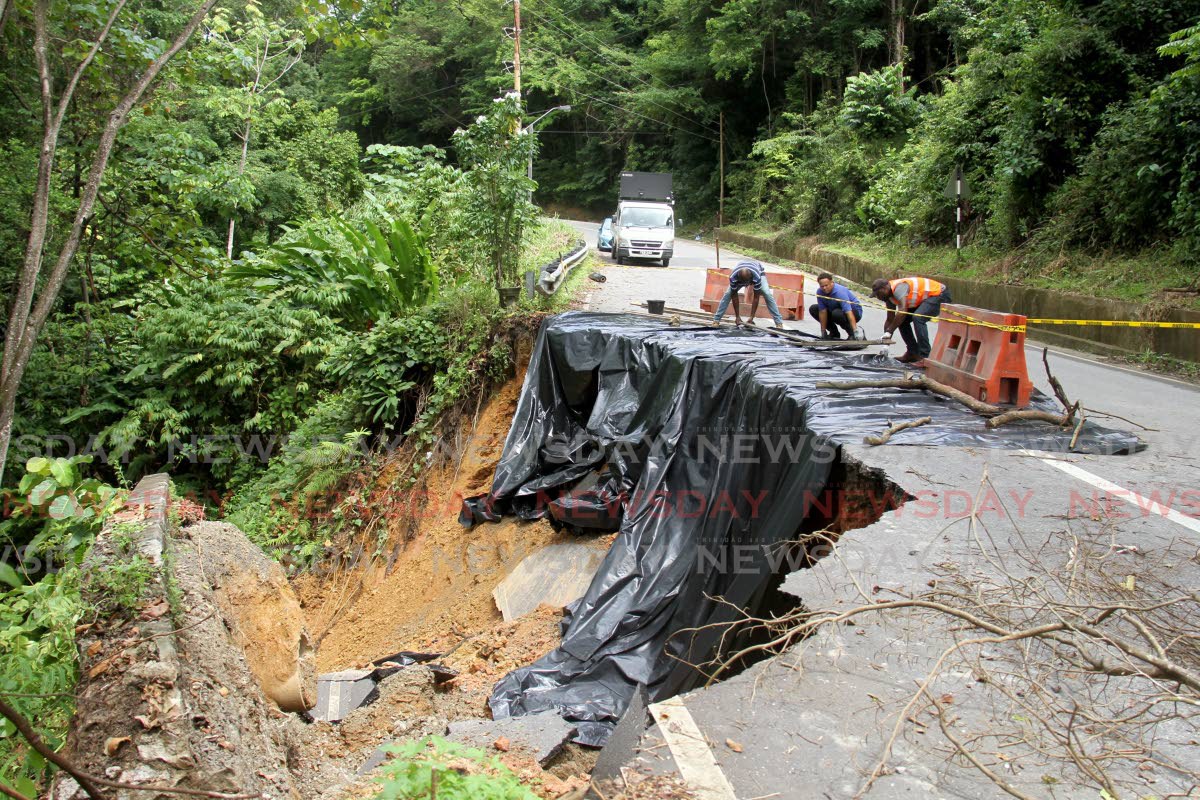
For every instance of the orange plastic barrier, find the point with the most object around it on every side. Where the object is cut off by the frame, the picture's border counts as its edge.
(986, 363)
(788, 288)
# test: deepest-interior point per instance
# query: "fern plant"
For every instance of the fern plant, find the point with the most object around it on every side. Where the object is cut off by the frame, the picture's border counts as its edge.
(357, 275)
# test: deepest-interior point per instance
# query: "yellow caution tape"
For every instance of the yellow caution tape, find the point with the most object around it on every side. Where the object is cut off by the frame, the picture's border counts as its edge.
(956, 316)
(1114, 323)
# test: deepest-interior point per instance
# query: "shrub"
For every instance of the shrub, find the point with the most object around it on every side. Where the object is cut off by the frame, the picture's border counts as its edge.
(439, 770)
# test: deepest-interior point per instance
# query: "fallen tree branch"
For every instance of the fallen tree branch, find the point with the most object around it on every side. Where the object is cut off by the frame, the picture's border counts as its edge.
(967, 754)
(1059, 392)
(85, 781)
(923, 382)
(894, 429)
(91, 783)
(1033, 415)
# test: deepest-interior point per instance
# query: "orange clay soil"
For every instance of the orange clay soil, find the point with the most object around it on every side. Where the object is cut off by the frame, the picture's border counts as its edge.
(437, 590)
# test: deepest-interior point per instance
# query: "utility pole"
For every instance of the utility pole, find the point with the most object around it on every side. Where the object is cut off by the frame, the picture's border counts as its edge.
(517, 47)
(721, 191)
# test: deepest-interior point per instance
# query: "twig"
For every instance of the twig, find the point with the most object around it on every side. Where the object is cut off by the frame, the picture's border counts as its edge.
(145, 639)
(85, 781)
(906, 712)
(996, 779)
(1078, 428)
(8, 791)
(1097, 413)
(1030, 415)
(1059, 392)
(894, 429)
(91, 783)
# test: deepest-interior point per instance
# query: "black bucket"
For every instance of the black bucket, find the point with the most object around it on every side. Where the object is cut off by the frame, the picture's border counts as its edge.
(655, 306)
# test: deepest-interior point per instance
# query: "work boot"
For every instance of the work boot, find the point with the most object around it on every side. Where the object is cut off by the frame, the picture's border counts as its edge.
(716, 323)
(909, 358)
(779, 326)
(832, 336)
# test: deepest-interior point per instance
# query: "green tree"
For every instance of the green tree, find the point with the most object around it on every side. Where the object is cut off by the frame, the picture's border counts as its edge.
(36, 293)
(495, 151)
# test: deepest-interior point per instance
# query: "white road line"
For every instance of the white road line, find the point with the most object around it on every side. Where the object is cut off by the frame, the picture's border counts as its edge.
(1129, 496)
(690, 749)
(1076, 355)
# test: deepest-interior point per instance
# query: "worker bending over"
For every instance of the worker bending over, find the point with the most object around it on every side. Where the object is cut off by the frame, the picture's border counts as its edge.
(911, 302)
(836, 307)
(748, 273)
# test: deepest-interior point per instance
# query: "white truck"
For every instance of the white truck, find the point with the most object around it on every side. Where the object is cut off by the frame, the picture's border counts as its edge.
(644, 226)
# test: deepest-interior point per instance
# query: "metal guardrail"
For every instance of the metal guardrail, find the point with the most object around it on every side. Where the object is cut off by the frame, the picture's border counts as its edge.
(554, 273)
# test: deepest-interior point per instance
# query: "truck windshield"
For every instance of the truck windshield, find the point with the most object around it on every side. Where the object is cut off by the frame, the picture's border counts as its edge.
(646, 218)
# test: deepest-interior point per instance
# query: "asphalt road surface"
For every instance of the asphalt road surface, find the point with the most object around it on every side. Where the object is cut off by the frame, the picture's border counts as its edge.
(797, 731)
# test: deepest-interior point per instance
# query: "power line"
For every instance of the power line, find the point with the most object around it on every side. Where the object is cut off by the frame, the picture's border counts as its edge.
(564, 20)
(643, 116)
(612, 63)
(605, 132)
(587, 36)
(619, 86)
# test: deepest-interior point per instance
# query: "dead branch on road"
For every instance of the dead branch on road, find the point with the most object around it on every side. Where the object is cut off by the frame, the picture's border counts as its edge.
(894, 429)
(1033, 415)
(1085, 654)
(911, 381)
(1062, 420)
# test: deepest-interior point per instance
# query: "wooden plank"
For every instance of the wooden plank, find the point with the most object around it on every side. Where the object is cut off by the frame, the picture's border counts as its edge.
(691, 752)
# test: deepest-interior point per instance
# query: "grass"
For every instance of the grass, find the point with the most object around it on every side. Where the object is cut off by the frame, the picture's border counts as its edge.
(1137, 278)
(1166, 365)
(546, 241)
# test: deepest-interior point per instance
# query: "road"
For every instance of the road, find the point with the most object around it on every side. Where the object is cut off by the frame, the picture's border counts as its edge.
(811, 735)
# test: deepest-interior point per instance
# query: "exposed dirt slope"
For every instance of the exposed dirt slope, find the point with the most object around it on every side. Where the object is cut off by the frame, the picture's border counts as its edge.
(437, 589)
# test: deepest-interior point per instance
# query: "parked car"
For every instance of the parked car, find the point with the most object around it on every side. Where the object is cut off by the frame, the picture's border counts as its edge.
(605, 239)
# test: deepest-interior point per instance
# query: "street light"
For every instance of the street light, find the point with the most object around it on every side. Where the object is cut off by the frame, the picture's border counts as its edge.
(529, 129)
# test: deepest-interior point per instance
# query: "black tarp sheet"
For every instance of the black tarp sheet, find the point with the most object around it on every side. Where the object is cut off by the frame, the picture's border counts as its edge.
(714, 444)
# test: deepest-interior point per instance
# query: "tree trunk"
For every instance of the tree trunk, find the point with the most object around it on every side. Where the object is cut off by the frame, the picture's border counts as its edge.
(25, 323)
(896, 39)
(241, 172)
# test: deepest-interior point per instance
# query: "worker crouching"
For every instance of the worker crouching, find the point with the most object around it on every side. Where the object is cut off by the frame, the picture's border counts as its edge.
(836, 307)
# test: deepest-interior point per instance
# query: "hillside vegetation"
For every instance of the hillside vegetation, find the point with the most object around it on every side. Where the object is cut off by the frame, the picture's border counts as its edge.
(257, 243)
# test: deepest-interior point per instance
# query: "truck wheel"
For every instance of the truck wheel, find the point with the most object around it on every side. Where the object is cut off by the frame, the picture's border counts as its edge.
(666, 262)
(620, 259)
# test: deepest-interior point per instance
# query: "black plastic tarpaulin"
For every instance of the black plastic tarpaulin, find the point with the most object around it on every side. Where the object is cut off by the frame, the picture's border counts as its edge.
(707, 448)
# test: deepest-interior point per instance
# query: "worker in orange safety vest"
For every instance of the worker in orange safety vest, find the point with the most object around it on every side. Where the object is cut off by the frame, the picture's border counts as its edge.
(910, 302)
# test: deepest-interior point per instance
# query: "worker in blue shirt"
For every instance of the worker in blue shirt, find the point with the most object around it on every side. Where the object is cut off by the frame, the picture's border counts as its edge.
(748, 273)
(836, 307)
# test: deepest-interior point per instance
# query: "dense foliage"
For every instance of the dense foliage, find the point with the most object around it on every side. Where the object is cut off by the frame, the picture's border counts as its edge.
(293, 257)
(839, 118)
(54, 514)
